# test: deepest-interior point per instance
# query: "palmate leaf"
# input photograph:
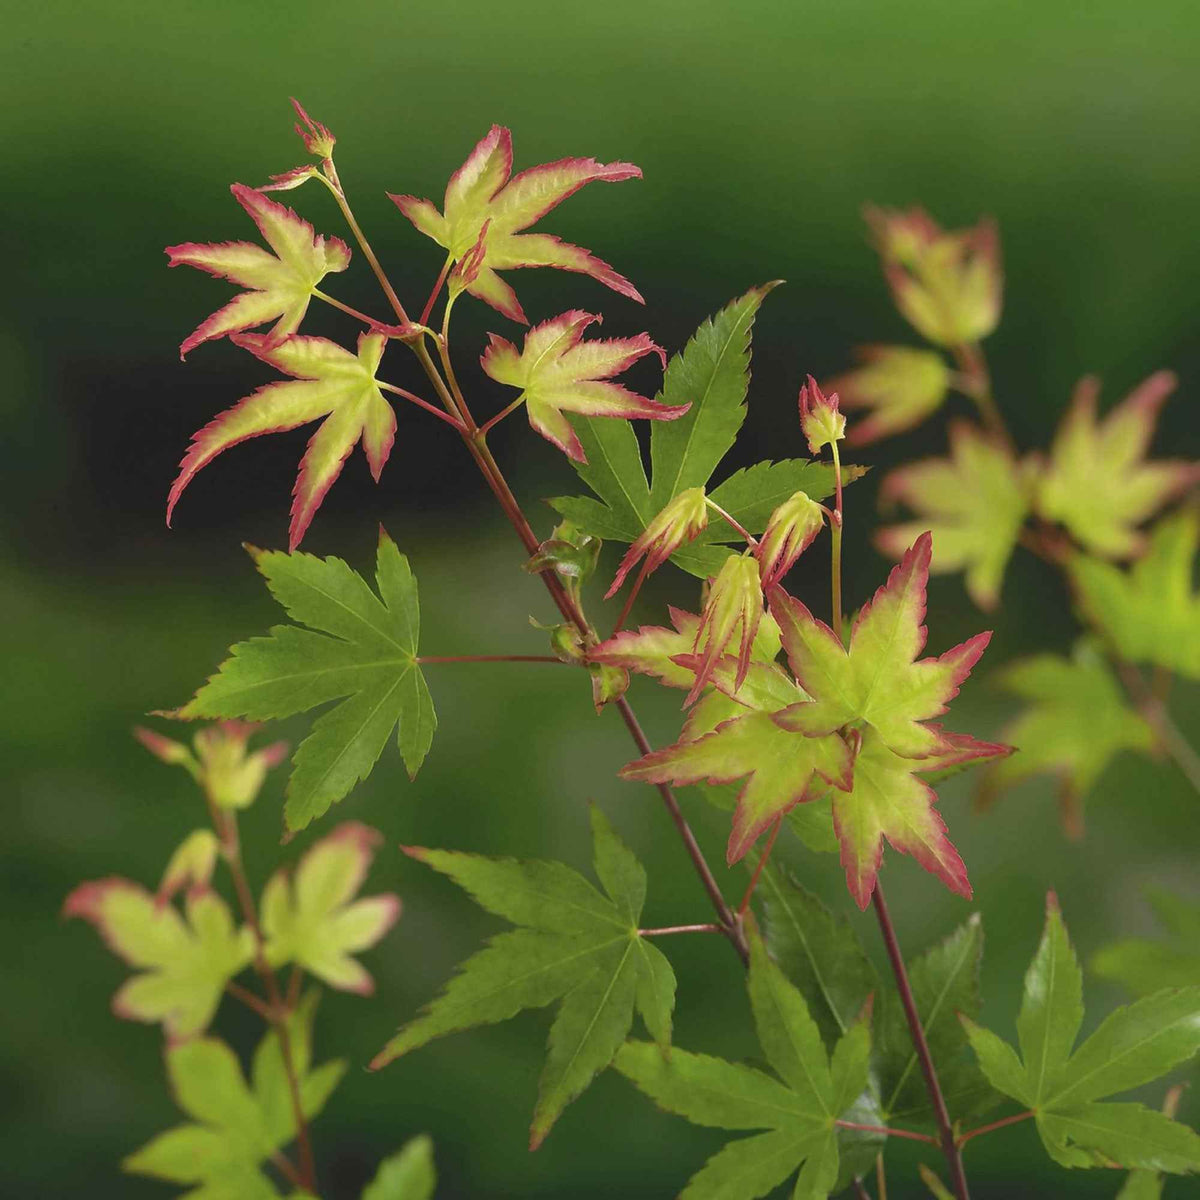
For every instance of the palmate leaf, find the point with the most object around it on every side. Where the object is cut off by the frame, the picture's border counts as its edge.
(312, 920)
(798, 1109)
(1064, 1087)
(1077, 723)
(329, 382)
(407, 1175)
(485, 211)
(359, 649)
(901, 386)
(572, 945)
(1149, 613)
(279, 285)
(1144, 966)
(236, 1126)
(1097, 482)
(185, 963)
(558, 372)
(712, 375)
(974, 502)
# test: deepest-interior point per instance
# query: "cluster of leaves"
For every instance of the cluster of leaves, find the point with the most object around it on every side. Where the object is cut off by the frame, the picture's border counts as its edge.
(983, 500)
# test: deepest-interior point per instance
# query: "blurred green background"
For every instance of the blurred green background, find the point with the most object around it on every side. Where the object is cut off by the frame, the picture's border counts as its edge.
(761, 127)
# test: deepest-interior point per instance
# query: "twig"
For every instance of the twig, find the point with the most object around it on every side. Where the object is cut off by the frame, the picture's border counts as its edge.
(946, 1130)
(441, 414)
(353, 312)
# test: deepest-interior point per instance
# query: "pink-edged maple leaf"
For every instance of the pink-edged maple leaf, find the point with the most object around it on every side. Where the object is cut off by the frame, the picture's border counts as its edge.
(558, 373)
(887, 800)
(329, 382)
(481, 193)
(879, 680)
(279, 285)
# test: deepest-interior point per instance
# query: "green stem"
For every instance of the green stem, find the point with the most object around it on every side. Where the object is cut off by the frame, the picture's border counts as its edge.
(888, 1131)
(835, 530)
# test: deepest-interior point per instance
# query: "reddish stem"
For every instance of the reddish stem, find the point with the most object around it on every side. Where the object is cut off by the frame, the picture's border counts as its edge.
(481, 658)
(888, 1131)
(633, 593)
(441, 414)
(437, 287)
(945, 1128)
(758, 870)
(250, 1000)
(964, 1138)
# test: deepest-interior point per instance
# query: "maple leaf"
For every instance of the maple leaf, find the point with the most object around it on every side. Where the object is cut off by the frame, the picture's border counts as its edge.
(1097, 482)
(1063, 1087)
(311, 922)
(798, 1108)
(572, 944)
(974, 502)
(1150, 612)
(901, 386)
(279, 285)
(191, 865)
(187, 962)
(878, 680)
(236, 1125)
(1078, 721)
(712, 374)
(360, 649)
(407, 1175)
(328, 382)
(1145, 966)
(558, 373)
(480, 194)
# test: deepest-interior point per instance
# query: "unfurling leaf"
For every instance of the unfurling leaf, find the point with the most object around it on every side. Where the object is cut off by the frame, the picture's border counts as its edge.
(1077, 722)
(329, 382)
(572, 944)
(900, 386)
(799, 1108)
(733, 611)
(947, 285)
(557, 372)
(680, 522)
(974, 502)
(1145, 966)
(1097, 482)
(235, 1126)
(186, 962)
(278, 285)
(1149, 613)
(480, 194)
(314, 920)
(407, 1175)
(790, 531)
(820, 418)
(1062, 1087)
(191, 865)
(359, 648)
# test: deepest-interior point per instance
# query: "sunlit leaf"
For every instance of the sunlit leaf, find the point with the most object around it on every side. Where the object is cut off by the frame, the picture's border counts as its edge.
(1098, 482)
(314, 921)
(279, 285)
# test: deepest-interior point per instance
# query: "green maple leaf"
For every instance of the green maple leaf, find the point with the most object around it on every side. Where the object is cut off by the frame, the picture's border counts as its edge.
(901, 386)
(311, 921)
(1150, 612)
(974, 502)
(278, 285)
(407, 1175)
(1097, 482)
(360, 649)
(329, 382)
(1064, 1087)
(572, 945)
(236, 1126)
(712, 375)
(485, 212)
(798, 1109)
(1077, 723)
(1145, 966)
(187, 962)
(558, 372)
